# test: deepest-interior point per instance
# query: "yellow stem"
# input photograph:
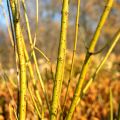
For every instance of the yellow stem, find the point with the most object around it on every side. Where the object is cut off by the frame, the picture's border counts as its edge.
(60, 62)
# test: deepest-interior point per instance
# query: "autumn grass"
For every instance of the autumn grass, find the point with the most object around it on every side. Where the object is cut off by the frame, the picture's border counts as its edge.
(111, 105)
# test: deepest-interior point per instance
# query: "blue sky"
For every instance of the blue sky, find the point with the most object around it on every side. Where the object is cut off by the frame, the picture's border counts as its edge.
(2, 19)
(56, 17)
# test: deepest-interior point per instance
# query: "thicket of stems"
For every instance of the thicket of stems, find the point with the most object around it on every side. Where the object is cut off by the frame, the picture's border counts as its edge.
(87, 60)
(33, 52)
(24, 60)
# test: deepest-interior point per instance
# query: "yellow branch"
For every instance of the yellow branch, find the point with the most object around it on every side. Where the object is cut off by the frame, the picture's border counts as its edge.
(60, 61)
(85, 67)
(22, 63)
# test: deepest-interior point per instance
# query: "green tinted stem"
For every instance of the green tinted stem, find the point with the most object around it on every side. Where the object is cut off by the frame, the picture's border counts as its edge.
(60, 62)
(85, 67)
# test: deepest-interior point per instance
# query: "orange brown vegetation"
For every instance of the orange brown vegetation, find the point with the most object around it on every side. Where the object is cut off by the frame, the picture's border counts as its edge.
(94, 104)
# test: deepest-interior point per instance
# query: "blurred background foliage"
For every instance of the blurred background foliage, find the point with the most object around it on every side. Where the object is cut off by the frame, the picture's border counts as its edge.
(49, 27)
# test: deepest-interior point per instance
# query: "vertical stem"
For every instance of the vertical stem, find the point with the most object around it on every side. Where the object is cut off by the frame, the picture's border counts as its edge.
(32, 76)
(34, 55)
(74, 49)
(23, 85)
(22, 64)
(85, 67)
(60, 61)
